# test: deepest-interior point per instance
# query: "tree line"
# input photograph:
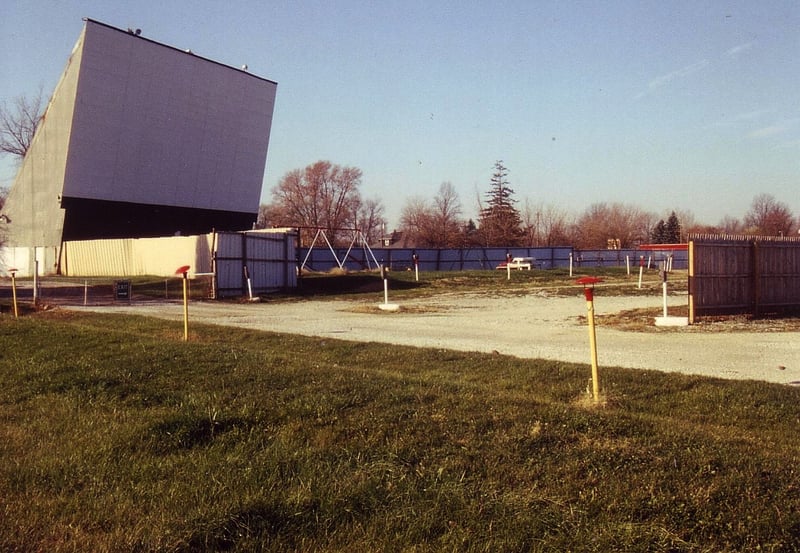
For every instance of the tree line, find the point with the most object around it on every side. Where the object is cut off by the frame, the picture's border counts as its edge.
(327, 196)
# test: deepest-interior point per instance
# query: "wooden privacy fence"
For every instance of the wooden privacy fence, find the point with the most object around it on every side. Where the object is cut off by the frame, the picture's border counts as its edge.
(734, 274)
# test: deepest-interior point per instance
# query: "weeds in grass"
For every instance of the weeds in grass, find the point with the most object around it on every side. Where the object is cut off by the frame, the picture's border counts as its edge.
(115, 439)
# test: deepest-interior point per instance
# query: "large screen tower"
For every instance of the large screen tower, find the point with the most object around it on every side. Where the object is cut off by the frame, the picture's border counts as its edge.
(142, 139)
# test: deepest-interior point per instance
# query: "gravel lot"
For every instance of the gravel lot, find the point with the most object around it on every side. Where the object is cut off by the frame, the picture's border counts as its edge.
(527, 327)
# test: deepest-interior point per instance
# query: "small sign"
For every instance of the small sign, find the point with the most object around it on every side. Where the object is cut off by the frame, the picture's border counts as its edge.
(122, 290)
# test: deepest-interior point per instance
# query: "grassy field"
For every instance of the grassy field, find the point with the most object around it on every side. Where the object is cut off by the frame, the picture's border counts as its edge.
(58, 290)
(115, 435)
(552, 282)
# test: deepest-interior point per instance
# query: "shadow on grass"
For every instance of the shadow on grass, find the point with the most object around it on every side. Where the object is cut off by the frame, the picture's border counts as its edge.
(333, 285)
(183, 432)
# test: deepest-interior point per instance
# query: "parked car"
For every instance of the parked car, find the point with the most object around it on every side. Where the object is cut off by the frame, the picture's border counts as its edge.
(517, 263)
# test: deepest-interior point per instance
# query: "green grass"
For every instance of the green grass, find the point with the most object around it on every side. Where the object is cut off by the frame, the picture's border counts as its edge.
(55, 289)
(552, 282)
(117, 436)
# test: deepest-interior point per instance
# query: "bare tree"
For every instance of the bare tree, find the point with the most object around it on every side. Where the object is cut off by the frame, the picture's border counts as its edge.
(434, 224)
(769, 217)
(268, 216)
(603, 222)
(370, 219)
(690, 225)
(545, 225)
(321, 196)
(447, 216)
(416, 221)
(18, 124)
(730, 225)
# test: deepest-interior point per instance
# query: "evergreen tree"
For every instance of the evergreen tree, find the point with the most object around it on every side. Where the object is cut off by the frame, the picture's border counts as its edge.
(471, 235)
(500, 222)
(667, 233)
(659, 232)
(672, 234)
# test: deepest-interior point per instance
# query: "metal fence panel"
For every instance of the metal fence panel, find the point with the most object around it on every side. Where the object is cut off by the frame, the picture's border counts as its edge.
(322, 259)
(270, 259)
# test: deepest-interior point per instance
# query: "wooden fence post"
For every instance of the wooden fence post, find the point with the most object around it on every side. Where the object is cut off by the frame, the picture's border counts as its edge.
(756, 279)
(691, 282)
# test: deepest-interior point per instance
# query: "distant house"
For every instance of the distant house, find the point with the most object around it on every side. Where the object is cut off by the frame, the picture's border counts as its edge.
(397, 239)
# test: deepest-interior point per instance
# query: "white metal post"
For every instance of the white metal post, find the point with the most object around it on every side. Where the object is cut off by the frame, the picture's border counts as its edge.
(14, 291)
(35, 281)
(641, 270)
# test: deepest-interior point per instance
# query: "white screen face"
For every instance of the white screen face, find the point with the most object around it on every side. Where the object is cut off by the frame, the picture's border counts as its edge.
(155, 125)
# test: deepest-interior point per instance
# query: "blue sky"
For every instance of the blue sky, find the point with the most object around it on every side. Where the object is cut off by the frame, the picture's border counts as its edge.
(664, 105)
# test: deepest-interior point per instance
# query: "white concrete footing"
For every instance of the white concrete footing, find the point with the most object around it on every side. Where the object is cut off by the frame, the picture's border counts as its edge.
(672, 321)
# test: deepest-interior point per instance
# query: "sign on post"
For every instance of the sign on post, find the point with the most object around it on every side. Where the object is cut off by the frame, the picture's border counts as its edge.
(122, 290)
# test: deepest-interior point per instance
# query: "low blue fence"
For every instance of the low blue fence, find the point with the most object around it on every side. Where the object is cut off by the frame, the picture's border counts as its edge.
(468, 259)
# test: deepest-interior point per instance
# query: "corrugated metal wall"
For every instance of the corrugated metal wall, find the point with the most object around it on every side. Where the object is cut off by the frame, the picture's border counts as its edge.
(270, 259)
(137, 256)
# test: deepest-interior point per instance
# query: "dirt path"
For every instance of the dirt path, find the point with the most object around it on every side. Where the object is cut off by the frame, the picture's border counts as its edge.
(527, 327)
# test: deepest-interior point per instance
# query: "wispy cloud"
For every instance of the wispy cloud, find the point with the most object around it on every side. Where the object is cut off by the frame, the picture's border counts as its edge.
(749, 115)
(789, 145)
(683, 72)
(667, 78)
(775, 129)
(739, 49)
(744, 117)
(766, 132)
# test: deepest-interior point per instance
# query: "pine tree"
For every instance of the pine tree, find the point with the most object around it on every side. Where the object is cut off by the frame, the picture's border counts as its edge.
(500, 222)
(672, 234)
(659, 232)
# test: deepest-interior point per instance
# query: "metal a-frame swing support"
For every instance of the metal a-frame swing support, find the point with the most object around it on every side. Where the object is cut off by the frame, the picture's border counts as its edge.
(357, 235)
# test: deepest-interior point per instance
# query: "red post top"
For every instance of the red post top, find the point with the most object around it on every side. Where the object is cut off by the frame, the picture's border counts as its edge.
(587, 280)
(588, 286)
(182, 270)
